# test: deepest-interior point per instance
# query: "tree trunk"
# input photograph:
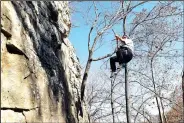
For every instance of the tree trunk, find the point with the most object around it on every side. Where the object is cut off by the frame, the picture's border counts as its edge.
(85, 76)
(156, 96)
(127, 95)
(158, 106)
(183, 92)
(112, 99)
(163, 112)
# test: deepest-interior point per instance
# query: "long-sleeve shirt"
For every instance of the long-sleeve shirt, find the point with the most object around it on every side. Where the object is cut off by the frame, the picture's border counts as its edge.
(128, 44)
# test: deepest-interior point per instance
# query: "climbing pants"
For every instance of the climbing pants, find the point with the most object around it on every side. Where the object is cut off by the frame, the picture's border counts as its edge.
(123, 55)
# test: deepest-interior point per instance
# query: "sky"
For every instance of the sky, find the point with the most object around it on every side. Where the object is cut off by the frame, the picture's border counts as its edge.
(79, 36)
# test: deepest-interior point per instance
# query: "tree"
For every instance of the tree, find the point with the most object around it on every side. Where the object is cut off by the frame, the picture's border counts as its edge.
(154, 27)
(154, 30)
(183, 78)
(175, 113)
(102, 24)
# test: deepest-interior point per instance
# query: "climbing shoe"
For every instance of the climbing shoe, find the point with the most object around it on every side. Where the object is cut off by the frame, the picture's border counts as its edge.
(113, 74)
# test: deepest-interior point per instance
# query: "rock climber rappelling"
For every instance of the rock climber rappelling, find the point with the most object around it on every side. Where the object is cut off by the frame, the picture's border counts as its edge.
(124, 54)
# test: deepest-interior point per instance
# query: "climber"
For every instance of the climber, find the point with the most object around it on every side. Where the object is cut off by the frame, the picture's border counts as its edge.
(124, 54)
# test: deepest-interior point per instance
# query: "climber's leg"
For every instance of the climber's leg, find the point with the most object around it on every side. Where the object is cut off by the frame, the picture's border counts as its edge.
(120, 56)
(127, 53)
(113, 61)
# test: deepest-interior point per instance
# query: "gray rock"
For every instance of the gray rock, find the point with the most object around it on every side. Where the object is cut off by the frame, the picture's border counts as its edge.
(39, 69)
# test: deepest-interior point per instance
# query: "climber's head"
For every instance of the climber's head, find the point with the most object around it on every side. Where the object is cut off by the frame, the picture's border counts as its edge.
(124, 37)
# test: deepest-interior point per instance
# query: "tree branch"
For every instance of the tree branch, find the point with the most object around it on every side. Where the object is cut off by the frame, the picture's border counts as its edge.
(103, 57)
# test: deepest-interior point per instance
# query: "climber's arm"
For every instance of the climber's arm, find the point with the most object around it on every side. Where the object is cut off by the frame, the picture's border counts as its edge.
(118, 38)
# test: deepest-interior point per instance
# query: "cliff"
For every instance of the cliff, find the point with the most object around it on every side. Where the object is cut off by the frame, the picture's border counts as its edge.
(40, 72)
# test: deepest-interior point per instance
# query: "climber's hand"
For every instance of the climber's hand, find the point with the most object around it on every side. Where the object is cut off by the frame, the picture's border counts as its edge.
(117, 37)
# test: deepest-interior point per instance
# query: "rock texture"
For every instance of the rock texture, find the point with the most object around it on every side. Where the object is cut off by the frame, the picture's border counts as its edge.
(40, 72)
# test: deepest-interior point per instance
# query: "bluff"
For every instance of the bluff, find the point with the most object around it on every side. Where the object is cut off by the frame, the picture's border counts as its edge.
(40, 72)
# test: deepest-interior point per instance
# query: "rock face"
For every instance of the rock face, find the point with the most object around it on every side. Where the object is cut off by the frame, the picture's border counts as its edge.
(40, 73)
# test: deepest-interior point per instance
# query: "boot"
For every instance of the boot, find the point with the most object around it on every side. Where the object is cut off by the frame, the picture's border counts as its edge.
(122, 65)
(113, 74)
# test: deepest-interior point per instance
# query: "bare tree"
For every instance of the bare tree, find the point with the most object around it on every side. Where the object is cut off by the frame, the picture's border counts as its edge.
(151, 36)
(105, 23)
(183, 91)
(154, 35)
(175, 113)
